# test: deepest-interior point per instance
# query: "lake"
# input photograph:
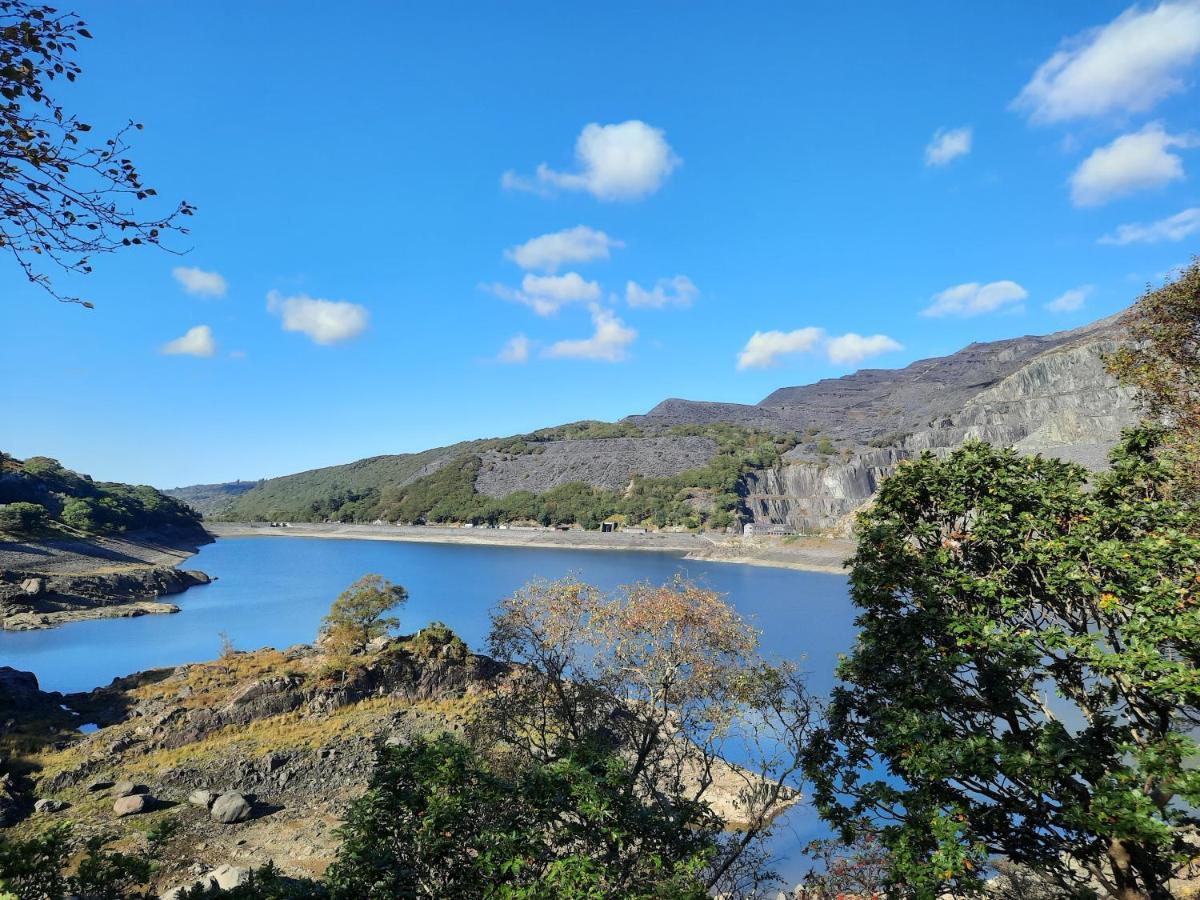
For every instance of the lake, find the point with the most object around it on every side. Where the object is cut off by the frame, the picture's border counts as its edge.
(273, 591)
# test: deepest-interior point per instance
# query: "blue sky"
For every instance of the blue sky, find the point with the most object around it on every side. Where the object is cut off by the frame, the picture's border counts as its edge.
(794, 190)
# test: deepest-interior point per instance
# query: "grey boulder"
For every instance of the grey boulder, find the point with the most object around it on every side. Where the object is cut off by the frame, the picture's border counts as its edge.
(202, 798)
(131, 805)
(230, 807)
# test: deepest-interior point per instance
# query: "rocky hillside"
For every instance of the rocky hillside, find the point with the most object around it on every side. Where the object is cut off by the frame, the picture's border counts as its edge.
(805, 456)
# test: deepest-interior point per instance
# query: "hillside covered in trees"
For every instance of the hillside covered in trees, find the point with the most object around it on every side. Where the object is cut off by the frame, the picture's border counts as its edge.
(686, 475)
(39, 495)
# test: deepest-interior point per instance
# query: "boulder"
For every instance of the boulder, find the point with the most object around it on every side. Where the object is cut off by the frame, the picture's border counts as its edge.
(202, 798)
(33, 586)
(230, 807)
(47, 805)
(131, 805)
(123, 789)
(228, 877)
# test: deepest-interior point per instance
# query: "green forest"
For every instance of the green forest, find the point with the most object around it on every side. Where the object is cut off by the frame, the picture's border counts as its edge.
(40, 495)
(385, 488)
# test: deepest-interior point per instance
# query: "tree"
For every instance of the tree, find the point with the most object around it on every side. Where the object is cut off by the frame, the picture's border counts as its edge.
(857, 869)
(63, 198)
(1163, 363)
(1027, 673)
(671, 678)
(358, 615)
(33, 869)
(441, 820)
(80, 514)
(23, 517)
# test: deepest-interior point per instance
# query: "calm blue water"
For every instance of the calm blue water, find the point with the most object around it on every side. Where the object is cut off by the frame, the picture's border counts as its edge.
(274, 591)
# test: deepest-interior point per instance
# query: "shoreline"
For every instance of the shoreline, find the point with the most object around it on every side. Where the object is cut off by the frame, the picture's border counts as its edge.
(810, 554)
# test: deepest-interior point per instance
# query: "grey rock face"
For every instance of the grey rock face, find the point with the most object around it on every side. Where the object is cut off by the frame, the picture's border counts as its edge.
(47, 805)
(229, 808)
(607, 463)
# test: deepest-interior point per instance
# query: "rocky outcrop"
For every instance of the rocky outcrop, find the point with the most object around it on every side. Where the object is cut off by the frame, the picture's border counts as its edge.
(607, 463)
(1059, 402)
(29, 600)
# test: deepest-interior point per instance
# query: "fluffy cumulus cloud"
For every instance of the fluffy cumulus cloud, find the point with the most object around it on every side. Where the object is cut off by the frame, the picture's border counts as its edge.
(569, 246)
(973, 299)
(627, 161)
(609, 341)
(1133, 162)
(325, 321)
(1172, 228)
(200, 283)
(1069, 301)
(516, 350)
(853, 348)
(766, 347)
(677, 291)
(196, 341)
(1126, 66)
(547, 294)
(947, 145)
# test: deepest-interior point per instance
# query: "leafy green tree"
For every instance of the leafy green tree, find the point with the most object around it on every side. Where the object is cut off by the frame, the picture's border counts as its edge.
(23, 517)
(82, 515)
(1026, 671)
(359, 614)
(1163, 362)
(439, 821)
(34, 869)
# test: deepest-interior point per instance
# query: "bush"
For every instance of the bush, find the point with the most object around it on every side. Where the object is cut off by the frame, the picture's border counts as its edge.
(23, 517)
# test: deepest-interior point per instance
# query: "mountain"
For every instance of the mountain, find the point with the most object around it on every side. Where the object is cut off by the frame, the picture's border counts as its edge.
(805, 456)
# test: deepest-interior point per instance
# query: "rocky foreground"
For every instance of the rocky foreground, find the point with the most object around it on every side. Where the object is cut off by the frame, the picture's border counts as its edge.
(254, 756)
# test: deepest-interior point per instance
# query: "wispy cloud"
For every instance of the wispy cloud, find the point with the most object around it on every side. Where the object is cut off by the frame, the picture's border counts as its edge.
(516, 350)
(973, 299)
(200, 283)
(325, 321)
(626, 161)
(1133, 162)
(854, 348)
(609, 342)
(677, 291)
(1172, 228)
(948, 145)
(1126, 66)
(197, 341)
(546, 253)
(766, 347)
(547, 294)
(1071, 300)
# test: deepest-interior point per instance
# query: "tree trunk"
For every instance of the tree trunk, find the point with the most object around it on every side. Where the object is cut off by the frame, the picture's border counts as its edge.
(1121, 862)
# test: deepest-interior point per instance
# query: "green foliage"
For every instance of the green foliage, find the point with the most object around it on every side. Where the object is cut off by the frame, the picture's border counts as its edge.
(437, 640)
(358, 615)
(439, 820)
(264, 883)
(23, 518)
(1028, 671)
(77, 502)
(32, 869)
(384, 487)
(825, 447)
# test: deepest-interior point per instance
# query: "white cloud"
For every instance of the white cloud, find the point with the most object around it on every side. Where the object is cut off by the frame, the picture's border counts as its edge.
(325, 321)
(853, 348)
(196, 341)
(677, 291)
(571, 245)
(608, 342)
(627, 161)
(1126, 66)
(1172, 228)
(200, 283)
(948, 145)
(973, 298)
(547, 294)
(1133, 162)
(1071, 300)
(765, 347)
(516, 350)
